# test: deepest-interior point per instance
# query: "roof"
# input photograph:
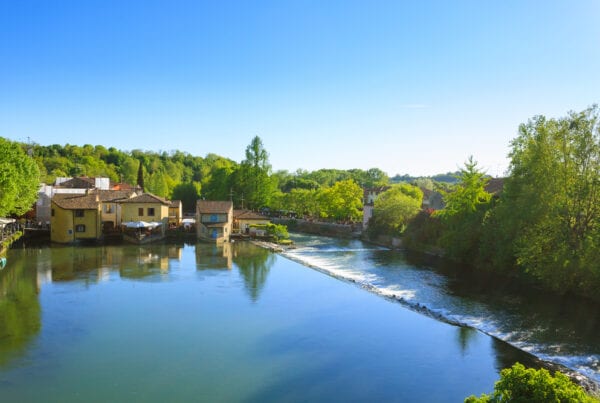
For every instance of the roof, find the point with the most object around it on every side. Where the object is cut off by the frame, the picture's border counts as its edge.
(69, 201)
(113, 195)
(146, 198)
(79, 183)
(495, 186)
(212, 207)
(175, 203)
(248, 215)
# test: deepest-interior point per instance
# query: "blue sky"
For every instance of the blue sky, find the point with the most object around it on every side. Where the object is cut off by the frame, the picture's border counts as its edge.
(408, 87)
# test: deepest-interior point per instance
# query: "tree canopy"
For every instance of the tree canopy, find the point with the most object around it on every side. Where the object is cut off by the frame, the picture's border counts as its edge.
(19, 179)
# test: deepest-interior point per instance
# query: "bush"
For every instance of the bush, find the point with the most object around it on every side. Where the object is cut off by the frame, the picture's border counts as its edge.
(518, 384)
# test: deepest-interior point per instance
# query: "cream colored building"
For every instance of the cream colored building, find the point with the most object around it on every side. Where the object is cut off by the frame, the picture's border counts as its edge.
(145, 207)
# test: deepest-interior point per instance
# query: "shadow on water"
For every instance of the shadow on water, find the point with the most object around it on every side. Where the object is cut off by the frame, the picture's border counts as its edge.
(254, 264)
(20, 311)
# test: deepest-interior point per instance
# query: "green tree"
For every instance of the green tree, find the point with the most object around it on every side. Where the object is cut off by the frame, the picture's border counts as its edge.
(342, 201)
(254, 180)
(466, 205)
(518, 384)
(548, 219)
(188, 193)
(19, 179)
(394, 208)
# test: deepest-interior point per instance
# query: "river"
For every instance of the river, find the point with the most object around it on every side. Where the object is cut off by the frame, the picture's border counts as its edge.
(179, 322)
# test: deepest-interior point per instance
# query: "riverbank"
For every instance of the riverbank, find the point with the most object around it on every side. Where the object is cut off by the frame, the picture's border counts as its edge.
(8, 241)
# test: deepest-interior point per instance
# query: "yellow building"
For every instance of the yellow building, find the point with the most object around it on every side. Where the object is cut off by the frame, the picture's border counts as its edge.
(214, 220)
(145, 207)
(111, 209)
(243, 219)
(75, 217)
(175, 213)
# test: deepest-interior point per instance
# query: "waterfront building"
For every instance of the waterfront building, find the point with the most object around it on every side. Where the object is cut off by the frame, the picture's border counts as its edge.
(214, 220)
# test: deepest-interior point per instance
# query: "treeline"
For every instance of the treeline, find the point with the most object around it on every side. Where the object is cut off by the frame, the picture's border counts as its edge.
(324, 193)
(545, 224)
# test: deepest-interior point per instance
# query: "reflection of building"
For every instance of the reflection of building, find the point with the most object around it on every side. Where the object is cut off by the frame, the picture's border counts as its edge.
(243, 219)
(214, 220)
(213, 256)
(75, 217)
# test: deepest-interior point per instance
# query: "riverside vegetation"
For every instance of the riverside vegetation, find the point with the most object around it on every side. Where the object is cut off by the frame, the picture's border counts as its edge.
(543, 227)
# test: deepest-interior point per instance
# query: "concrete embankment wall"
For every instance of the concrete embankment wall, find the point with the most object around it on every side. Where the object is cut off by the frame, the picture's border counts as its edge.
(321, 228)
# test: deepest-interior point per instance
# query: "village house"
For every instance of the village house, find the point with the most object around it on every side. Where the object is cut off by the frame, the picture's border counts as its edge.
(75, 217)
(145, 207)
(214, 220)
(243, 220)
(175, 213)
(111, 208)
(369, 197)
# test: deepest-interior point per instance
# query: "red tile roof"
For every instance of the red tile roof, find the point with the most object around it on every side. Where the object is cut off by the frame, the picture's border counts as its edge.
(248, 215)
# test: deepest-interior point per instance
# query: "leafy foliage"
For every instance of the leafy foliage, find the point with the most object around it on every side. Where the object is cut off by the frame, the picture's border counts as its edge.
(394, 208)
(518, 384)
(19, 179)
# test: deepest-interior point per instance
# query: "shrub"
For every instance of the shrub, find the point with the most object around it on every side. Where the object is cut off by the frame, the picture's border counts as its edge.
(518, 384)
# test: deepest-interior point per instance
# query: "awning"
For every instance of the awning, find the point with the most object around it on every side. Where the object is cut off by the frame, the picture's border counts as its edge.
(141, 224)
(7, 220)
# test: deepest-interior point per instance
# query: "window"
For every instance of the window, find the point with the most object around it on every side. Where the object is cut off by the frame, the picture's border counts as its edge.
(78, 213)
(80, 228)
(151, 211)
(141, 211)
(108, 208)
(213, 218)
(52, 212)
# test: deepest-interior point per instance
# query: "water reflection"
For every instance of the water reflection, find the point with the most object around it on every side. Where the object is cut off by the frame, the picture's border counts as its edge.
(465, 336)
(20, 312)
(213, 256)
(254, 264)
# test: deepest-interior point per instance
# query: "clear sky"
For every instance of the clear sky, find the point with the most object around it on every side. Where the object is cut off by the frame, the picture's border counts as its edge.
(406, 86)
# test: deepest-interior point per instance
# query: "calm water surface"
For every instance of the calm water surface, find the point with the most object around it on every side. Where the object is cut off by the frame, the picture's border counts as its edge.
(233, 323)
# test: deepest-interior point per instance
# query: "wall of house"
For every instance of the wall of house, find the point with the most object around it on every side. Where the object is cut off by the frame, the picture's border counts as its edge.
(112, 216)
(243, 224)
(129, 212)
(61, 225)
(93, 224)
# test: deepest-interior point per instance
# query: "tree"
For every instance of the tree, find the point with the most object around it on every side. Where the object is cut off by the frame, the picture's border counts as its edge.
(140, 176)
(19, 179)
(254, 179)
(548, 219)
(462, 217)
(394, 208)
(342, 201)
(518, 384)
(188, 193)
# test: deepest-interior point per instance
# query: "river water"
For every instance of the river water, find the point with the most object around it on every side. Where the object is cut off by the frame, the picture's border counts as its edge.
(561, 330)
(181, 322)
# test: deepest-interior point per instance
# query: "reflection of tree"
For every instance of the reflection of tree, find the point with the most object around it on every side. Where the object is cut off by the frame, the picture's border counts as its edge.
(254, 264)
(465, 335)
(20, 313)
(507, 355)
